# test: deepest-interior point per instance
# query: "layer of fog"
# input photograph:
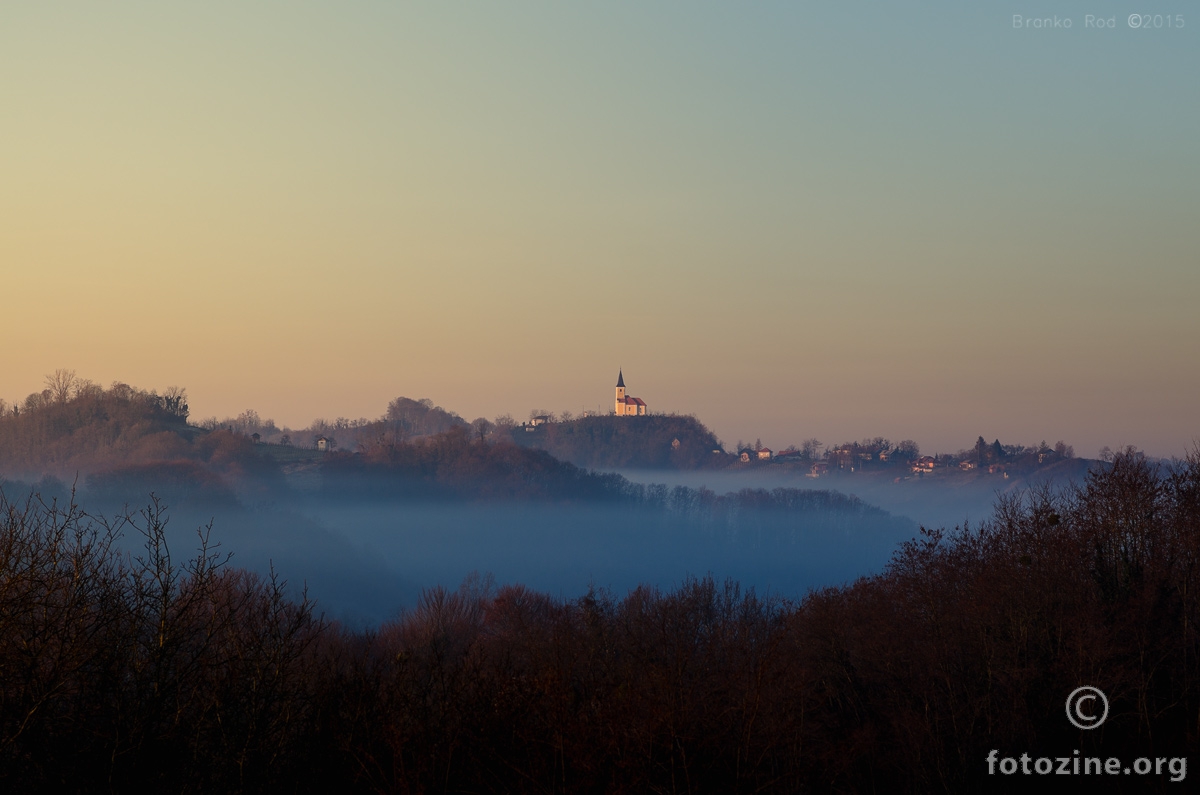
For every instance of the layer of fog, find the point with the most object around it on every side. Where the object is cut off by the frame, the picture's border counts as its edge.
(364, 563)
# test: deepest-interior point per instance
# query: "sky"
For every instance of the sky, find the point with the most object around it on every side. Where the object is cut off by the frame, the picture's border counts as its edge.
(792, 220)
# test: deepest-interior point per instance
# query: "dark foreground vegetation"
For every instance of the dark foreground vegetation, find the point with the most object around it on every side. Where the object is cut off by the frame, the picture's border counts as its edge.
(122, 673)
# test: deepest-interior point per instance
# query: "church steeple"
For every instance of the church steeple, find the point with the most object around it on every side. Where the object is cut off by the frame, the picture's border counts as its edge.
(627, 405)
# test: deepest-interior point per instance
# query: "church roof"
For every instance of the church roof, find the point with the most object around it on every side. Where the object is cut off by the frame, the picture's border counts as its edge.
(621, 379)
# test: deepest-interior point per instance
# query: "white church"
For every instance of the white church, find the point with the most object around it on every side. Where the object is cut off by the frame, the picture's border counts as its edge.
(628, 406)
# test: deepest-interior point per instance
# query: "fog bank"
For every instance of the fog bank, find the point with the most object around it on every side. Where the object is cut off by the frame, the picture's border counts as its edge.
(364, 563)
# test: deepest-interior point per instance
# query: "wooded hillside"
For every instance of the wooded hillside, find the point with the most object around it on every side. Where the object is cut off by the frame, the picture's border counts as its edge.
(658, 441)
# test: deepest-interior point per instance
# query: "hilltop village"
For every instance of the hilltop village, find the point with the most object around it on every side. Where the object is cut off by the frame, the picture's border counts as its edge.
(874, 455)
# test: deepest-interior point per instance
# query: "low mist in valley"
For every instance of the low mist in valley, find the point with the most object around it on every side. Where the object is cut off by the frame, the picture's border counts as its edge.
(364, 563)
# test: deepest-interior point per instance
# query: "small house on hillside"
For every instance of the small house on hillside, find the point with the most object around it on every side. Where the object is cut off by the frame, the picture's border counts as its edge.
(324, 444)
(254, 437)
(764, 454)
(925, 463)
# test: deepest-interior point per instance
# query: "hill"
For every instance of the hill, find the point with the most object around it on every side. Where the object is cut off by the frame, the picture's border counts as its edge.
(124, 442)
(89, 429)
(650, 442)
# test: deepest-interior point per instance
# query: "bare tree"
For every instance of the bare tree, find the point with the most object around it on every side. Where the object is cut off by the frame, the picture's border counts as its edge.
(247, 422)
(88, 389)
(36, 400)
(61, 384)
(481, 428)
(175, 401)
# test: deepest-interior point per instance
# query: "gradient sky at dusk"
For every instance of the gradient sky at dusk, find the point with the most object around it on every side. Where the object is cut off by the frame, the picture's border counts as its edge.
(839, 221)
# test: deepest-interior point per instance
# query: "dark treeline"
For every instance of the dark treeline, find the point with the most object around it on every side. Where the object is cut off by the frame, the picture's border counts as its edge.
(458, 464)
(119, 673)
